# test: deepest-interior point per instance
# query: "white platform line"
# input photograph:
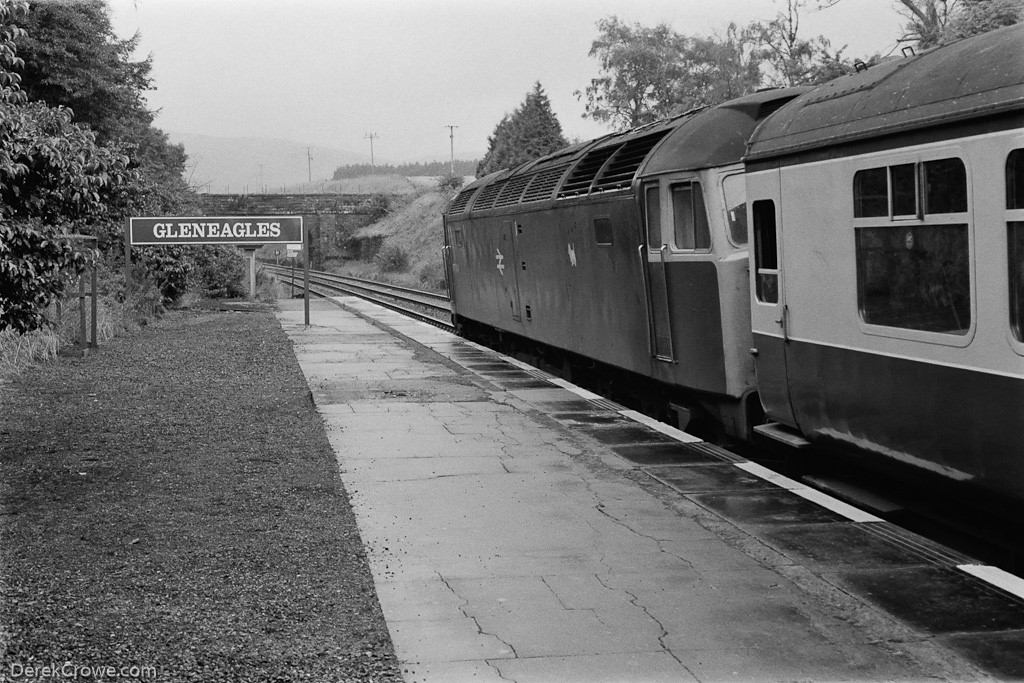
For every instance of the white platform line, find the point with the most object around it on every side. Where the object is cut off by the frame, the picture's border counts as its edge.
(668, 430)
(768, 475)
(835, 505)
(807, 493)
(997, 577)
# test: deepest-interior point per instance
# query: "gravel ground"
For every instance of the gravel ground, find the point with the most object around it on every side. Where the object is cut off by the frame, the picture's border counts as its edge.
(173, 502)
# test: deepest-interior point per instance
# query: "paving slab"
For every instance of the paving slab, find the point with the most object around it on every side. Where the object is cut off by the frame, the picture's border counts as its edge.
(508, 545)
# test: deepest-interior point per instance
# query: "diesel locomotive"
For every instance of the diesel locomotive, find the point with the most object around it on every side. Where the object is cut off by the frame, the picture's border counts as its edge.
(840, 265)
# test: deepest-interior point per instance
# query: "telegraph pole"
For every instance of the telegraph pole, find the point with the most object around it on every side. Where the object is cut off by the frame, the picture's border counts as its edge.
(451, 135)
(371, 137)
(309, 163)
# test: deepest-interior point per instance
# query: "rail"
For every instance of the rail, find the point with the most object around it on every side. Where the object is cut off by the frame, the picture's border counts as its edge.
(426, 306)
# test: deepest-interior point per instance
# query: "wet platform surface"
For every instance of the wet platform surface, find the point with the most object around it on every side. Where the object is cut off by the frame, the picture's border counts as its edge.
(521, 529)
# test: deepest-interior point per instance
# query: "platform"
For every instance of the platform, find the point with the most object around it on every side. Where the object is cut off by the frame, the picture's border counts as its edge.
(519, 528)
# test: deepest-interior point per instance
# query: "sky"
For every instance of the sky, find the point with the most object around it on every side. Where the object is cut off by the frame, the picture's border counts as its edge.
(331, 72)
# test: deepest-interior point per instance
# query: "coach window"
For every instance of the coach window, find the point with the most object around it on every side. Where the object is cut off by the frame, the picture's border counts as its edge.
(735, 189)
(766, 254)
(1015, 239)
(915, 274)
(652, 200)
(870, 193)
(945, 186)
(903, 184)
(690, 218)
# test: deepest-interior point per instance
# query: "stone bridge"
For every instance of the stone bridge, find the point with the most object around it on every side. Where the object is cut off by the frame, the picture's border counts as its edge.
(330, 219)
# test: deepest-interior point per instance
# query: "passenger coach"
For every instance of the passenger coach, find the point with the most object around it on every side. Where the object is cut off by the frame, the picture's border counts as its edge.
(887, 211)
(629, 250)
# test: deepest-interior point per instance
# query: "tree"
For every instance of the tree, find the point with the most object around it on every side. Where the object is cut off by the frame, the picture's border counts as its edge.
(640, 67)
(53, 178)
(792, 60)
(529, 132)
(934, 22)
(979, 16)
(74, 59)
(718, 69)
(926, 21)
(652, 73)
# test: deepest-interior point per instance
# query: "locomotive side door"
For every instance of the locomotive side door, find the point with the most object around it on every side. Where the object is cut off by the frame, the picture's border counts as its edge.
(656, 247)
(509, 266)
(769, 315)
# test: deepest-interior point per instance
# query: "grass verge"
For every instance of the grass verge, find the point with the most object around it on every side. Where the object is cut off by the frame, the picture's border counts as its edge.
(173, 502)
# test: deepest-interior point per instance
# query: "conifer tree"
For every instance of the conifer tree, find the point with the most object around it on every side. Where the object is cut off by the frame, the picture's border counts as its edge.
(529, 132)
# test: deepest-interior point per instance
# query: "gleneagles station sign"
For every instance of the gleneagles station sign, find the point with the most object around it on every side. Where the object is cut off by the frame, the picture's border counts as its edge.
(246, 232)
(239, 230)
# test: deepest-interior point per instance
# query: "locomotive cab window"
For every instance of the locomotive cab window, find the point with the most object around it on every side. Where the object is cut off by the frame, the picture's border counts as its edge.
(1015, 239)
(652, 206)
(766, 253)
(913, 249)
(734, 187)
(689, 218)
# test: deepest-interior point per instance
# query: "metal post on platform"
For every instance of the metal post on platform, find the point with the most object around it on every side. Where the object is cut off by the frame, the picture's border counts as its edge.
(127, 258)
(83, 340)
(305, 268)
(87, 332)
(95, 295)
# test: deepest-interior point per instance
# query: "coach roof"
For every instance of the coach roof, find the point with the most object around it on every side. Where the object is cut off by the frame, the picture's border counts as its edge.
(978, 76)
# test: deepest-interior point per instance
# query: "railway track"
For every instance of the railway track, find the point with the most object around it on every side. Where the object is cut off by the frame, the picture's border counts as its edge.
(428, 307)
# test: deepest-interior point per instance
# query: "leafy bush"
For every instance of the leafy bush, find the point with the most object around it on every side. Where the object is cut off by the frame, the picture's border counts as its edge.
(392, 259)
(220, 272)
(449, 184)
(377, 206)
(36, 263)
(433, 277)
(169, 268)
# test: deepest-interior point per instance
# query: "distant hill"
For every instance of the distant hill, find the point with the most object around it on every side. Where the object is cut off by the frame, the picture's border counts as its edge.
(236, 165)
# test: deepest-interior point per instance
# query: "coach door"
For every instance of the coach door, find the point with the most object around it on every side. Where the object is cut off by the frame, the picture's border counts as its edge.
(656, 247)
(769, 315)
(509, 265)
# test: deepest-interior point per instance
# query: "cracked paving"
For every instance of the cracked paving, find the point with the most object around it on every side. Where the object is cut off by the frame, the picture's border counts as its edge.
(505, 547)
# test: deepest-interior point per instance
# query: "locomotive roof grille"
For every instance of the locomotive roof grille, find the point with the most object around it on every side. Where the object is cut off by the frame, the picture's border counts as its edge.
(621, 168)
(543, 184)
(489, 195)
(513, 190)
(583, 175)
(771, 106)
(458, 204)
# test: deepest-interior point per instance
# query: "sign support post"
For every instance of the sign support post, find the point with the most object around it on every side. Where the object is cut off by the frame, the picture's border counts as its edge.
(305, 267)
(250, 255)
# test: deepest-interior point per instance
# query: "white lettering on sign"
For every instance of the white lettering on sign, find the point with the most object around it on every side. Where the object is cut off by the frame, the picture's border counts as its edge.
(239, 230)
(500, 258)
